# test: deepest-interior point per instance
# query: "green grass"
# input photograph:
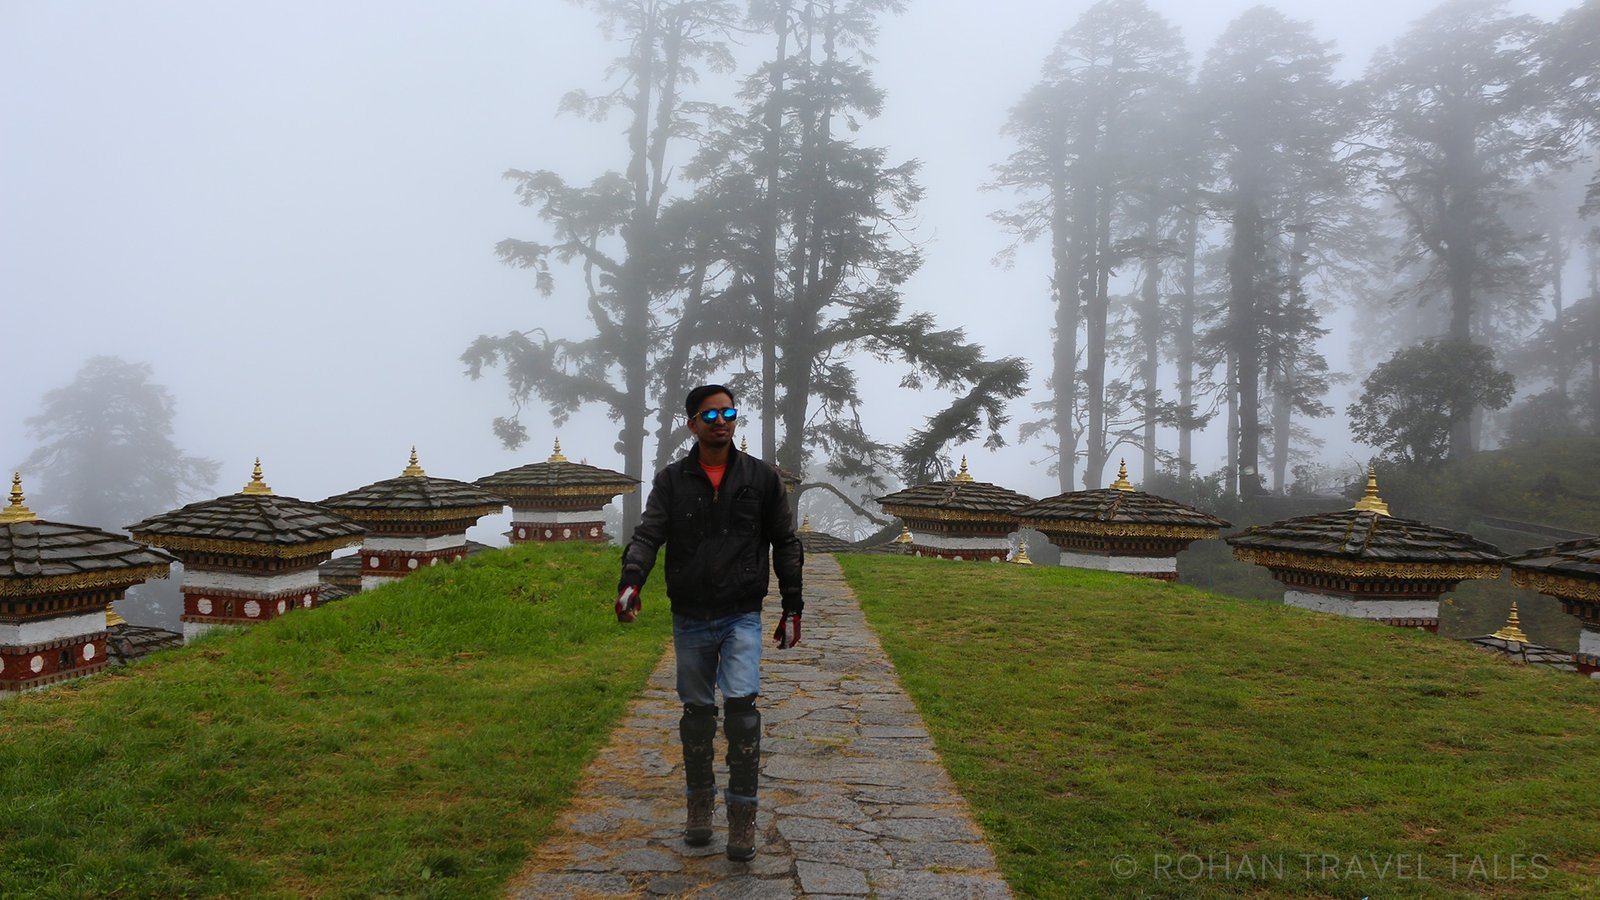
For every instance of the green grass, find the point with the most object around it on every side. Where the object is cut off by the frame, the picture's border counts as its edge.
(1212, 742)
(417, 740)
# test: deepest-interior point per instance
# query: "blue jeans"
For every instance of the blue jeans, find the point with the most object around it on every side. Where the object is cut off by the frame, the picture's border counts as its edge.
(725, 653)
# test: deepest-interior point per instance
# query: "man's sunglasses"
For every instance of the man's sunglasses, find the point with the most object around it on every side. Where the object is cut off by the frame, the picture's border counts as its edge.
(709, 416)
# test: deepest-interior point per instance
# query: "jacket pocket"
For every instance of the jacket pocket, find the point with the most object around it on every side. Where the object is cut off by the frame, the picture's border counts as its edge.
(746, 517)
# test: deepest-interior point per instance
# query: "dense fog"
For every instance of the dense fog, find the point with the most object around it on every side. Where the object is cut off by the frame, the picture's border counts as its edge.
(292, 213)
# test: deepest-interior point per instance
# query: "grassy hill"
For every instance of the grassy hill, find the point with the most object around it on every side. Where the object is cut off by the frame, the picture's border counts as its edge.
(412, 741)
(1119, 737)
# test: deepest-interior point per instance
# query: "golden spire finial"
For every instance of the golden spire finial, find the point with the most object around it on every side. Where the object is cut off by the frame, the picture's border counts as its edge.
(1122, 483)
(805, 524)
(963, 475)
(16, 512)
(556, 457)
(1513, 628)
(744, 444)
(1369, 501)
(112, 619)
(413, 470)
(256, 485)
(1021, 558)
(905, 534)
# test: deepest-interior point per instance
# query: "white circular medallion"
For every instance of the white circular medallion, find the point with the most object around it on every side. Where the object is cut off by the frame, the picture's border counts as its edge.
(594, 532)
(88, 651)
(411, 563)
(434, 561)
(36, 664)
(566, 532)
(204, 605)
(548, 533)
(305, 602)
(283, 607)
(252, 609)
(372, 562)
(522, 532)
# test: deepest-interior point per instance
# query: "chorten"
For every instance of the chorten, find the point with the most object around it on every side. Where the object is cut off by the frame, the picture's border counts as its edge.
(57, 584)
(558, 500)
(1511, 642)
(247, 557)
(815, 541)
(961, 518)
(1365, 563)
(413, 521)
(1569, 572)
(1120, 529)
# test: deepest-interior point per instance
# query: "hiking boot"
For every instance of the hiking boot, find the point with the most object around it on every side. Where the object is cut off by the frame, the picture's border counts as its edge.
(702, 803)
(741, 830)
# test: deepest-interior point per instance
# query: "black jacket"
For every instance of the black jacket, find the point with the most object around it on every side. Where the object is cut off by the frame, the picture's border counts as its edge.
(717, 540)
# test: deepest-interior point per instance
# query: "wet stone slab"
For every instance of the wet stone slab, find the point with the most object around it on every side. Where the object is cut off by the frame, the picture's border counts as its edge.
(854, 800)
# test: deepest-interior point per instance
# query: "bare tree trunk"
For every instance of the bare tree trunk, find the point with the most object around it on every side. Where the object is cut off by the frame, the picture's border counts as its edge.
(1073, 254)
(1095, 348)
(1460, 258)
(767, 274)
(1284, 379)
(1555, 258)
(1230, 481)
(1244, 283)
(1185, 348)
(1151, 315)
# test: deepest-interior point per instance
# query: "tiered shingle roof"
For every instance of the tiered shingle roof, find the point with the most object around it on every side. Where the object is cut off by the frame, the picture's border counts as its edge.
(959, 497)
(253, 522)
(40, 557)
(557, 476)
(416, 496)
(1368, 542)
(1571, 566)
(1118, 511)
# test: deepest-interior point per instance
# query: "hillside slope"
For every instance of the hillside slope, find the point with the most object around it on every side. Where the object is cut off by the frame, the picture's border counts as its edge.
(1122, 737)
(415, 740)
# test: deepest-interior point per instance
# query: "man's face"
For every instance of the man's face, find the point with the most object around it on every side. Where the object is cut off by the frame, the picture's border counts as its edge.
(713, 434)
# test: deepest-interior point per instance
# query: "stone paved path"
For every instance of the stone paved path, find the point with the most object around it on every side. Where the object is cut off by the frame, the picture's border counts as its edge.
(853, 799)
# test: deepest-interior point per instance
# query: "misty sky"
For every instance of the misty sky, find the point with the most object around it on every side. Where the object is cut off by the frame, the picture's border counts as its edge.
(290, 212)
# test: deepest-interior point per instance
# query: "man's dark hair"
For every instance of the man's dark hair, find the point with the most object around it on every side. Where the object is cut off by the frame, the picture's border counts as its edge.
(699, 394)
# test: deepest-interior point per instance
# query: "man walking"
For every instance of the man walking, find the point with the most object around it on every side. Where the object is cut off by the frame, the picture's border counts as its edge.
(718, 511)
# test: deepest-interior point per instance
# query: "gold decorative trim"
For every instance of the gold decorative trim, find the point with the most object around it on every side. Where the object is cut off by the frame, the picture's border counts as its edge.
(256, 485)
(932, 514)
(1369, 501)
(183, 544)
(16, 512)
(1357, 568)
(533, 492)
(1122, 483)
(412, 470)
(1512, 631)
(1564, 587)
(82, 581)
(1129, 529)
(448, 514)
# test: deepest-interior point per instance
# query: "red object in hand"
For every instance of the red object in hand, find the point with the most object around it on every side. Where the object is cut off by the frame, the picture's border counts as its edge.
(788, 633)
(628, 604)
